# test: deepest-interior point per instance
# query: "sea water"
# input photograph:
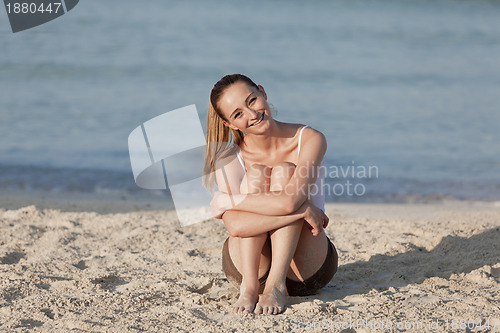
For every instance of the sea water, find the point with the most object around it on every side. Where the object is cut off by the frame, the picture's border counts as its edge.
(410, 89)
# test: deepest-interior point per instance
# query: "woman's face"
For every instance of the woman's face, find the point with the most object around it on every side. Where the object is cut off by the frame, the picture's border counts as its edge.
(245, 108)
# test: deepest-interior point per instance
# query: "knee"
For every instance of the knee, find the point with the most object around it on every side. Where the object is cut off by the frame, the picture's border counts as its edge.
(283, 170)
(258, 171)
(258, 176)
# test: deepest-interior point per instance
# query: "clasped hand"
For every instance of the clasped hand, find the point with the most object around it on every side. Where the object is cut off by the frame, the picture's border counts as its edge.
(314, 216)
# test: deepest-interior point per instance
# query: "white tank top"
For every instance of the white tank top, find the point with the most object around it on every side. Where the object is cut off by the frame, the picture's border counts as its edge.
(317, 192)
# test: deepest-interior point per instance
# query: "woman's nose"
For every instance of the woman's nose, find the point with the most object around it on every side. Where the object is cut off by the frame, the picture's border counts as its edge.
(252, 114)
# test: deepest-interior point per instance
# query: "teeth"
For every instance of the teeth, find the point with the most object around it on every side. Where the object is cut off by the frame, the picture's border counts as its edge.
(259, 121)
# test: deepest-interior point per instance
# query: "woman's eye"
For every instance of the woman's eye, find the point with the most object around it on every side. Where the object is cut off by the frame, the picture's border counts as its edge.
(237, 115)
(252, 100)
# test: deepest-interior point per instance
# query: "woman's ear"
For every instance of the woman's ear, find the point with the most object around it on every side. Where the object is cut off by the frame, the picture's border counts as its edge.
(262, 91)
(229, 125)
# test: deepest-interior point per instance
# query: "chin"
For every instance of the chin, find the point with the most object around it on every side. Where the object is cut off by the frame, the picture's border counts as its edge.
(262, 129)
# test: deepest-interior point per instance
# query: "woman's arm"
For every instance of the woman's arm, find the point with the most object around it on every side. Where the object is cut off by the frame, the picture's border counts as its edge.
(229, 175)
(246, 224)
(295, 192)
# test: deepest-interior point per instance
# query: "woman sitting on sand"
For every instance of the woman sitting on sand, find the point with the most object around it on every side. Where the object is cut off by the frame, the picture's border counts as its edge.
(265, 171)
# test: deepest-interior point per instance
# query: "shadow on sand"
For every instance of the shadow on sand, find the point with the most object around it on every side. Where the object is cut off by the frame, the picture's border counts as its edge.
(453, 255)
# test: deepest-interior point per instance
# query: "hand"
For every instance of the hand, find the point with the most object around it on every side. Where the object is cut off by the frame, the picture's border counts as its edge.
(315, 217)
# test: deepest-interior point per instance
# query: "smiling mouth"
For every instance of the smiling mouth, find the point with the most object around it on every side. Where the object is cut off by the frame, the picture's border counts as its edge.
(258, 121)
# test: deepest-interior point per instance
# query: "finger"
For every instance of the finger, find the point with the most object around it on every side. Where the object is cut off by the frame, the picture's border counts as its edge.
(320, 229)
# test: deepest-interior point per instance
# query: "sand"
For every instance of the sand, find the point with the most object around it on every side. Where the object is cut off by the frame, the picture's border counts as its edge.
(128, 267)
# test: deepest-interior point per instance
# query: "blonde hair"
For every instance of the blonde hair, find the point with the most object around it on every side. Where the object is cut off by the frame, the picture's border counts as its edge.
(220, 138)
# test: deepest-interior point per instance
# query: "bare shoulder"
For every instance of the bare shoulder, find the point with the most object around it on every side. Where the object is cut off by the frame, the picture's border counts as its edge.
(313, 136)
(228, 171)
(228, 160)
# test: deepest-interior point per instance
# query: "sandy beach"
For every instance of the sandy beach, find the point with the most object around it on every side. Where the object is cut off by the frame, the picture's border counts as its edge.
(128, 267)
(405, 93)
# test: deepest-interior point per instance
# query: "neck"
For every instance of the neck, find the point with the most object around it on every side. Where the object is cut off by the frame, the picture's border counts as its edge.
(269, 141)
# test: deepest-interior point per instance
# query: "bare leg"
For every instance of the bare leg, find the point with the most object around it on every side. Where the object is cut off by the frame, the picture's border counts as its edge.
(283, 244)
(248, 254)
(310, 254)
(311, 251)
(248, 262)
(296, 253)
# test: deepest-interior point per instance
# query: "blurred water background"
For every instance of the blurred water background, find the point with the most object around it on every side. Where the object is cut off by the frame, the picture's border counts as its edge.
(409, 87)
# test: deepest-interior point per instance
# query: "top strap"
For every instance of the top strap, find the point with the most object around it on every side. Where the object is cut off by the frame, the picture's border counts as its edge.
(300, 139)
(240, 159)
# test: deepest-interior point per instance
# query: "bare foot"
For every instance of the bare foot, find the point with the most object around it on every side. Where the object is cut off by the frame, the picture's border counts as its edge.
(272, 302)
(249, 295)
